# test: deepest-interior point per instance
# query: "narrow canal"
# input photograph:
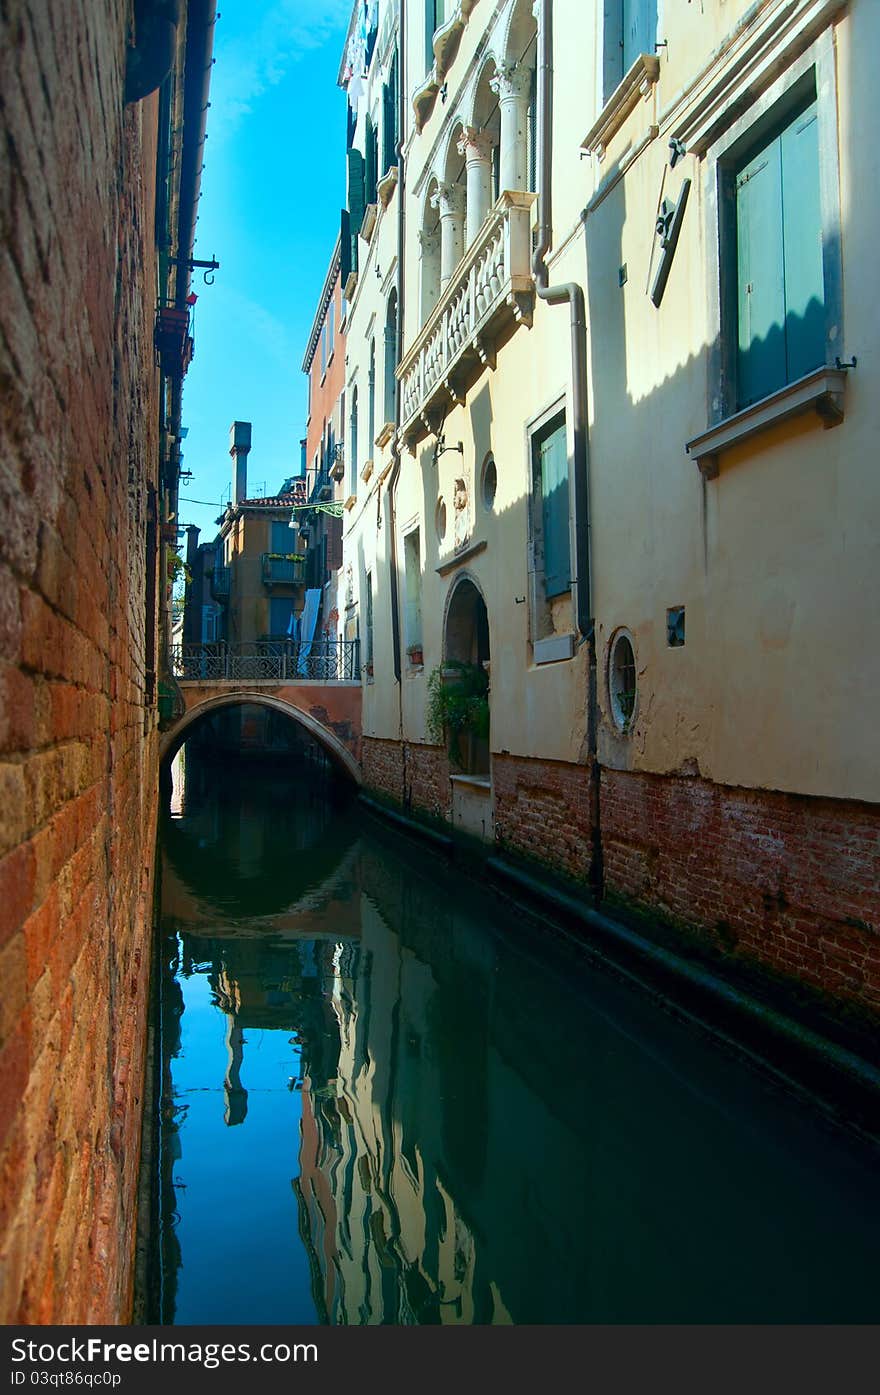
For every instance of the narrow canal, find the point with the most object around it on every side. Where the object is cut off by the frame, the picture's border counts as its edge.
(390, 1096)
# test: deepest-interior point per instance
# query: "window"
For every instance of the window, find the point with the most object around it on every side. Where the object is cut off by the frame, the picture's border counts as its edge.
(550, 611)
(281, 539)
(353, 438)
(390, 101)
(368, 619)
(323, 348)
(550, 465)
(371, 399)
(489, 483)
(391, 357)
(780, 293)
(630, 30)
(412, 571)
(622, 691)
(331, 331)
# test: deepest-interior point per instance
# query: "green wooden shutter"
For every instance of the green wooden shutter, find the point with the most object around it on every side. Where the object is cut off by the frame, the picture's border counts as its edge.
(355, 200)
(553, 455)
(760, 278)
(802, 246)
(344, 246)
(370, 160)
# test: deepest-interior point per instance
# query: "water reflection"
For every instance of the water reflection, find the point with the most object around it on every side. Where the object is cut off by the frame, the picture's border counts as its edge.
(386, 1102)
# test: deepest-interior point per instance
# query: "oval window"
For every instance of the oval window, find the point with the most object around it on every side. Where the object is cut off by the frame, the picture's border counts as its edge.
(622, 690)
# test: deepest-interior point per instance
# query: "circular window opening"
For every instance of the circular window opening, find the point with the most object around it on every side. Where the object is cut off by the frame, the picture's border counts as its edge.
(622, 680)
(440, 519)
(489, 483)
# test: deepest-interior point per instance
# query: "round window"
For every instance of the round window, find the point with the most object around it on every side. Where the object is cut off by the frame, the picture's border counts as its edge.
(440, 519)
(622, 680)
(489, 482)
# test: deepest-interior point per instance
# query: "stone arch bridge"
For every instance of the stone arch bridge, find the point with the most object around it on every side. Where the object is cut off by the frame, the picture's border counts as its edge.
(323, 694)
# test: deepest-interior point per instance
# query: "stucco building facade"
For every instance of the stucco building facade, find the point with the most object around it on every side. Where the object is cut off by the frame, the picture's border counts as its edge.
(629, 470)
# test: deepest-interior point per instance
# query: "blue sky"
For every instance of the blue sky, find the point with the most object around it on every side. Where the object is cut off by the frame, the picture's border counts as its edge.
(272, 188)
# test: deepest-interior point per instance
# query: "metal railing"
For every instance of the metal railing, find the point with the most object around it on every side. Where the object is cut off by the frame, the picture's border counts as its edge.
(279, 660)
(281, 571)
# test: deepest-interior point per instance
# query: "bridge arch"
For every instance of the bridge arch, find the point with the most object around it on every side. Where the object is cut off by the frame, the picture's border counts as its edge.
(171, 741)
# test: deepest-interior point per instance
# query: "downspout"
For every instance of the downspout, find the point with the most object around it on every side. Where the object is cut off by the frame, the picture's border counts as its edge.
(574, 295)
(395, 442)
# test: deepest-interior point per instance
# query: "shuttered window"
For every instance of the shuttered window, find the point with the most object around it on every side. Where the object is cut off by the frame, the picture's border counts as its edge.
(639, 25)
(355, 201)
(780, 282)
(552, 463)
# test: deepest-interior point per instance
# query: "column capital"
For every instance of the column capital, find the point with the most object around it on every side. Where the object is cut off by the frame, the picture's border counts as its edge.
(428, 241)
(476, 145)
(512, 82)
(449, 199)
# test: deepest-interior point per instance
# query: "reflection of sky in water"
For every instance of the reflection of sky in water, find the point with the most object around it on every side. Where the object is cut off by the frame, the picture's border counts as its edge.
(237, 1203)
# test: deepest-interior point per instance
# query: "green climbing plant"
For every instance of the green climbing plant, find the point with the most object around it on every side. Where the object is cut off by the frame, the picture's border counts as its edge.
(458, 704)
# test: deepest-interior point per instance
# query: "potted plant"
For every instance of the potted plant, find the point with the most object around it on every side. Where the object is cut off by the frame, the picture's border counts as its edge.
(458, 705)
(415, 654)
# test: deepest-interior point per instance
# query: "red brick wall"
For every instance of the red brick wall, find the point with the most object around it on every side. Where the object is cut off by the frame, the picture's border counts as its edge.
(413, 775)
(789, 882)
(542, 811)
(77, 749)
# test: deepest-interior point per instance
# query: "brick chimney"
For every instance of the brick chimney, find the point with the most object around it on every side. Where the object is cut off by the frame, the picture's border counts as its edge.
(239, 445)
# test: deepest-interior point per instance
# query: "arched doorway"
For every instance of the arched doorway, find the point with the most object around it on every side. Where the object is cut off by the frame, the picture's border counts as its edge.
(466, 657)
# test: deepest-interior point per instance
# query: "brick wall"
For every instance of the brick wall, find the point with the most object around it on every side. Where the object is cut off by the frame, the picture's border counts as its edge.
(785, 881)
(542, 811)
(410, 773)
(77, 749)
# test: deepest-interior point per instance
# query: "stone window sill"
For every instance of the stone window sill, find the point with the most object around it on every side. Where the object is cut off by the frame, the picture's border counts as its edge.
(366, 470)
(553, 649)
(637, 83)
(481, 784)
(820, 392)
(350, 502)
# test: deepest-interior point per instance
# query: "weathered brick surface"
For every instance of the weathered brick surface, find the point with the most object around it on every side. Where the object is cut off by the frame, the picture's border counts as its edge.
(78, 414)
(542, 811)
(785, 881)
(414, 775)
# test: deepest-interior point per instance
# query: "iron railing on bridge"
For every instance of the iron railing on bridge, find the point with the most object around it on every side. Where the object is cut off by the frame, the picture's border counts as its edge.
(284, 660)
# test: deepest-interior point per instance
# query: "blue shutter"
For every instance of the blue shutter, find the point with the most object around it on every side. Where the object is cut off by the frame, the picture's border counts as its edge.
(553, 456)
(639, 29)
(802, 242)
(760, 279)
(282, 538)
(280, 611)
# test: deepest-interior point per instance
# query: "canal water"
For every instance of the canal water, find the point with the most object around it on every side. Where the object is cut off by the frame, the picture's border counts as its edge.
(389, 1095)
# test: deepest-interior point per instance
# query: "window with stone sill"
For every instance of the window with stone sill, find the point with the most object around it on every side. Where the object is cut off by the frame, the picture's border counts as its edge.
(774, 215)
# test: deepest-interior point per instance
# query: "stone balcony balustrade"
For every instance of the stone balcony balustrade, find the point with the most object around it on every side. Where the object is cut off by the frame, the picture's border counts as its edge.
(491, 289)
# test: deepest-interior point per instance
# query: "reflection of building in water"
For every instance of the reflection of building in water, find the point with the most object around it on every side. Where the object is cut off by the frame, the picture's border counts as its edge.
(384, 1169)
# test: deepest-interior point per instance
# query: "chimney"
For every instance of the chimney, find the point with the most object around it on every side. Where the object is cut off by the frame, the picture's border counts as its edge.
(239, 445)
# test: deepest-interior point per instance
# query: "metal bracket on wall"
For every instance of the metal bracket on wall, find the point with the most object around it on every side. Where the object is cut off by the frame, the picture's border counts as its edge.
(668, 225)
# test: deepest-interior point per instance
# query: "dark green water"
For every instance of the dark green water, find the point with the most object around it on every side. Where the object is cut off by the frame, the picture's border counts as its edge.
(391, 1097)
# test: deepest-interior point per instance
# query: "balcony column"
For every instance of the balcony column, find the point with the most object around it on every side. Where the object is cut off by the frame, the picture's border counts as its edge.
(512, 84)
(449, 200)
(476, 147)
(429, 271)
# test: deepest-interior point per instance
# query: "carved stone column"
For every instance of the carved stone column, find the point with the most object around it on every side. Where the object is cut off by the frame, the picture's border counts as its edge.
(449, 200)
(476, 147)
(513, 85)
(429, 271)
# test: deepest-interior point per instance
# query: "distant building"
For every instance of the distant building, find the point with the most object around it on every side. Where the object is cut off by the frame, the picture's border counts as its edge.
(259, 574)
(323, 447)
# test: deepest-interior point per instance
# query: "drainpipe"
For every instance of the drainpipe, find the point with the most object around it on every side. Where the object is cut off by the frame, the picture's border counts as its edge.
(395, 443)
(574, 295)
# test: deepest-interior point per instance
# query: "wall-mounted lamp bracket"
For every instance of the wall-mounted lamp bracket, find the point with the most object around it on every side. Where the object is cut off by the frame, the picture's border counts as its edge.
(193, 262)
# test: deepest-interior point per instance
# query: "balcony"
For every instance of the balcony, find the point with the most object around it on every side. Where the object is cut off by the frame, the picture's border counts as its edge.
(490, 291)
(282, 569)
(220, 583)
